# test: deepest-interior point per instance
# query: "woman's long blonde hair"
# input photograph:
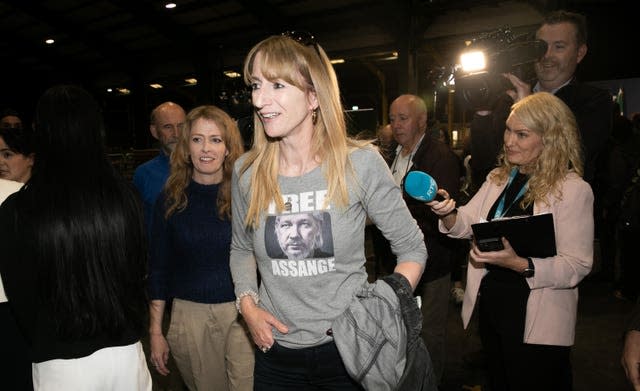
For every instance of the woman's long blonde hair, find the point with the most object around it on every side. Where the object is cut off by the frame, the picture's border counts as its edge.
(548, 116)
(308, 68)
(182, 167)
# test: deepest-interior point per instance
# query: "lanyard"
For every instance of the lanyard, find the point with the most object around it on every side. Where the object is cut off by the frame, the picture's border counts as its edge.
(399, 177)
(500, 211)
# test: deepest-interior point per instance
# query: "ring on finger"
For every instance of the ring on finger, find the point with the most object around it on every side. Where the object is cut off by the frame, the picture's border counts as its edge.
(265, 348)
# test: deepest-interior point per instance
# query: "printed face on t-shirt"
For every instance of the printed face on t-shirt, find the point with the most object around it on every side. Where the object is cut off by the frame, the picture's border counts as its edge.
(299, 234)
(299, 239)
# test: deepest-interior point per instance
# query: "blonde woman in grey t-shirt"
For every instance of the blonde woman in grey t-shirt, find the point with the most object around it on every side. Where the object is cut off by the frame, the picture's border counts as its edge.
(303, 162)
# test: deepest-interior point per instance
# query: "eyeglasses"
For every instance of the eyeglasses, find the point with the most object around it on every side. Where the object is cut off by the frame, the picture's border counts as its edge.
(304, 38)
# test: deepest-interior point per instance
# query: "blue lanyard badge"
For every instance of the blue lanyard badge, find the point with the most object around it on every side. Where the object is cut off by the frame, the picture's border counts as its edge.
(500, 211)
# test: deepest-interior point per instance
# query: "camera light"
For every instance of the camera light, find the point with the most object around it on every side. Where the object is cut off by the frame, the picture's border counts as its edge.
(473, 61)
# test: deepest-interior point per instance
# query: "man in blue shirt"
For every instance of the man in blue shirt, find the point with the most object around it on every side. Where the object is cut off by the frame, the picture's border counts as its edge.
(166, 121)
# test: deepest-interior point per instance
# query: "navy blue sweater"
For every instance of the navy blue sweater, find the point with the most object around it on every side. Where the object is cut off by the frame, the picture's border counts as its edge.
(190, 250)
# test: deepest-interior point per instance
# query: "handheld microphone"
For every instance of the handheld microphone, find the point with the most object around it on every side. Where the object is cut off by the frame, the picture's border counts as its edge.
(421, 186)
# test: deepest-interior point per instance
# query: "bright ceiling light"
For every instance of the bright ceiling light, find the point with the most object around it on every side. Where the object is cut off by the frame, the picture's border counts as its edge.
(155, 86)
(391, 57)
(337, 61)
(49, 41)
(170, 5)
(232, 74)
(191, 81)
(358, 108)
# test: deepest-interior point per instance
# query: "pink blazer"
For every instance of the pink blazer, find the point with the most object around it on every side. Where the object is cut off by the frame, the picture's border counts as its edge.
(553, 301)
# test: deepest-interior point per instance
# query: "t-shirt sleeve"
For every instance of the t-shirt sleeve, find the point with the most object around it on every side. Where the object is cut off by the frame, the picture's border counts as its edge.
(242, 260)
(384, 204)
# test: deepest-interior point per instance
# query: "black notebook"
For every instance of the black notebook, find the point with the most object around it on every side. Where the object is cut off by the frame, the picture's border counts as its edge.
(530, 236)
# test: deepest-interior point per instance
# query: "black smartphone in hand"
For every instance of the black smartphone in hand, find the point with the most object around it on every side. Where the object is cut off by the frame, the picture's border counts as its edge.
(491, 244)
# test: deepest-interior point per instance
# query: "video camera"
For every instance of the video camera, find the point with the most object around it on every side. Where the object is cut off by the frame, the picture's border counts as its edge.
(478, 77)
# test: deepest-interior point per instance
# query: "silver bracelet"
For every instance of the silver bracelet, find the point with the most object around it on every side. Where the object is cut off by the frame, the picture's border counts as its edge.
(250, 293)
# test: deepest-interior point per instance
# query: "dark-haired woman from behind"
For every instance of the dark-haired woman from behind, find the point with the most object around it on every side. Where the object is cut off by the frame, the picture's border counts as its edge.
(76, 279)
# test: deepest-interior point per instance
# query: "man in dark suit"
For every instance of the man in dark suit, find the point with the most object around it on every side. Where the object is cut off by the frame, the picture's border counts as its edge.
(565, 34)
(417, 150)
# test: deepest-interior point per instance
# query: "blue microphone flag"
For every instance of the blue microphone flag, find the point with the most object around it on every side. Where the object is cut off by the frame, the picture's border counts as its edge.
(420, 186)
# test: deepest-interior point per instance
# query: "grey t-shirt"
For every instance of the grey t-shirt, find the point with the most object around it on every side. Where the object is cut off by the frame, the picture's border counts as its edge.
(311, 260)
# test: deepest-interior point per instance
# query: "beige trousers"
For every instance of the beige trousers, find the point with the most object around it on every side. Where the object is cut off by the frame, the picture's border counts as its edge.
(211, 346)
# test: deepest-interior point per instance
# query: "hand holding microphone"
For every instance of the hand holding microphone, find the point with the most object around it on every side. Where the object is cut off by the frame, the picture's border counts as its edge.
(423, 187)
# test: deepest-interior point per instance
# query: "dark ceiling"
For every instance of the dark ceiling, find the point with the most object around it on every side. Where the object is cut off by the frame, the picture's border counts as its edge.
(132, 43)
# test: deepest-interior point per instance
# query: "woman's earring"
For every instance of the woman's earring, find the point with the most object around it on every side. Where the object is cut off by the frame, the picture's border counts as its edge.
(314, 116)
